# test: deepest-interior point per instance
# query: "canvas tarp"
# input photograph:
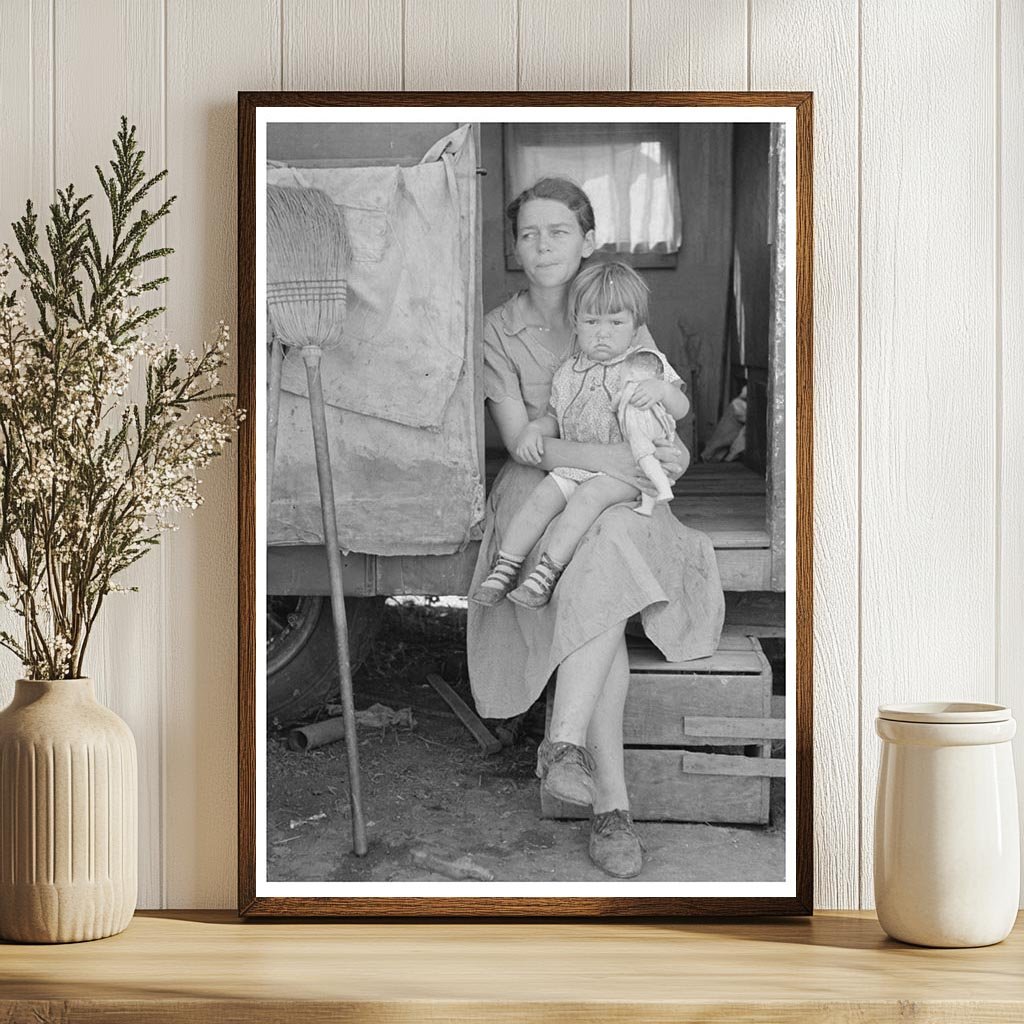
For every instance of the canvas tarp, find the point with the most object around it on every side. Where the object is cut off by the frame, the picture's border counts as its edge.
(401, 403)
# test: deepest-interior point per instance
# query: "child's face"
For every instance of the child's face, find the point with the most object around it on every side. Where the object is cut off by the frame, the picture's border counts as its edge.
(550, 242)
(604, 336)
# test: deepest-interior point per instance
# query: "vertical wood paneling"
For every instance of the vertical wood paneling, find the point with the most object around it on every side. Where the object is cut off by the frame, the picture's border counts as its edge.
(1010, 687)
(460, 44)
(928, 515)
(26, 171)
(342, 44)
(831, 72)
(574, 44)
(26, 101)
(123, 659)
(689, 44)
(213, 50)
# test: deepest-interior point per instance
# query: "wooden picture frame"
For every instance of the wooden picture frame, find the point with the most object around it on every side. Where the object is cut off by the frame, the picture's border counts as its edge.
(788, 505)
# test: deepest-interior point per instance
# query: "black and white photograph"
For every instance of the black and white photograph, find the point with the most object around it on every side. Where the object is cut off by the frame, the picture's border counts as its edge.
(525, 502)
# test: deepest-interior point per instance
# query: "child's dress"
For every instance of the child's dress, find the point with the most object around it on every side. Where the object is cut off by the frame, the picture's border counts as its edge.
(583, 392)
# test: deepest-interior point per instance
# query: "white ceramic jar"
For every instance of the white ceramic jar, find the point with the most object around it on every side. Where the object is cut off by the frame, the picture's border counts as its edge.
(947, 847)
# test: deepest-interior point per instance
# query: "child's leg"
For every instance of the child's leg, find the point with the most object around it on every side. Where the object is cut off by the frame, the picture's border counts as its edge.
(531, 520)
(527, 525)
(590, 499)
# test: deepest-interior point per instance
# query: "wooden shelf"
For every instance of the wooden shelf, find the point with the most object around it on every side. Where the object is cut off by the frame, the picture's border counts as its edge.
(207, 966)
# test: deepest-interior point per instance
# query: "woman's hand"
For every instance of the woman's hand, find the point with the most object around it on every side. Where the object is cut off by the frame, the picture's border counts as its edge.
(673, 456)
(617, 461)
(528, 446)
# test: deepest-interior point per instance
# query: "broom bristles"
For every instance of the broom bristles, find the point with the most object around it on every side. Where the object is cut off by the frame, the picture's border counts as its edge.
(307, 267)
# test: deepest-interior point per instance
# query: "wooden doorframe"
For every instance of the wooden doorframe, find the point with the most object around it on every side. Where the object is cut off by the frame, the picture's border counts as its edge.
(775, 476)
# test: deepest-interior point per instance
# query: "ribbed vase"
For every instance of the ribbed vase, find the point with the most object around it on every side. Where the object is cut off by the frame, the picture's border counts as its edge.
(68, 815)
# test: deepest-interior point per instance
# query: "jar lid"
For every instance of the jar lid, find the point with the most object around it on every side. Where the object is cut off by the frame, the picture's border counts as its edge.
(945, 713)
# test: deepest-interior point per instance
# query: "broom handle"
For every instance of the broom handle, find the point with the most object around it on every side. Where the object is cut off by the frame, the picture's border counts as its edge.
(273, 411)
(311, 355)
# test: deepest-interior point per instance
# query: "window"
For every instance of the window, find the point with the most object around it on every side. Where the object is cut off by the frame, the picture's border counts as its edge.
(629, 171)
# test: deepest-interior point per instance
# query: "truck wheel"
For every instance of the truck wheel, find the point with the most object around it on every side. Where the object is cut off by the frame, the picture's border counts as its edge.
(302, 663)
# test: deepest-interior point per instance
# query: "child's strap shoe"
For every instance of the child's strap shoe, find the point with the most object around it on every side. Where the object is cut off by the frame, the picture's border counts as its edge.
(503, 576)
(535, 591)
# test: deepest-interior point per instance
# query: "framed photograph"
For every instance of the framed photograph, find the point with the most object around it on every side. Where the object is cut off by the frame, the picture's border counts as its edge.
(525, 504)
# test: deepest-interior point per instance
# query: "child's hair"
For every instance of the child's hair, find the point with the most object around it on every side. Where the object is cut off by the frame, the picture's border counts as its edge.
(645, 363)
(561, 190)
(610, 287)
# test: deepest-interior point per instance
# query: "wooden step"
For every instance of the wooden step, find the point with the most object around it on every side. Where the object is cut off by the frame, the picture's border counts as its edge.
(697, 736)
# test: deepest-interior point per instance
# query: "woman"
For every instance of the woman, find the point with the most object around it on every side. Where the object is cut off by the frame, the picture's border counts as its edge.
(625, 564)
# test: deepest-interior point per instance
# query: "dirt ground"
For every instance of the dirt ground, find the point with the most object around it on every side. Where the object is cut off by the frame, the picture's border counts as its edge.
(438, 808)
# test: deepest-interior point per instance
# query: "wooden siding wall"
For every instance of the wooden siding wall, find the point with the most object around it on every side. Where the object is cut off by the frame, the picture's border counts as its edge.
(919, 306)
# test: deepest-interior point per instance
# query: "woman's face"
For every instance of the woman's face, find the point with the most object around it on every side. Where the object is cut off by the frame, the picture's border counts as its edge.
(550, 242)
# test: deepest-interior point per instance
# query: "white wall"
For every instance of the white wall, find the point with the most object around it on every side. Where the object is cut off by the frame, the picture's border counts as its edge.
(919, 305)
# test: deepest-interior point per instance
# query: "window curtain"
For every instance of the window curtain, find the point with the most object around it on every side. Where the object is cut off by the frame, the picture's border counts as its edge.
(627, 170)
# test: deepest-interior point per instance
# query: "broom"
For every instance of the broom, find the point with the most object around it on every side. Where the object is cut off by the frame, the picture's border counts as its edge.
(307, 262)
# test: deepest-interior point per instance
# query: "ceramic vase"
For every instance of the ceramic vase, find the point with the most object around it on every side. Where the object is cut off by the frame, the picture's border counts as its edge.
(68, 815)
(947, 847)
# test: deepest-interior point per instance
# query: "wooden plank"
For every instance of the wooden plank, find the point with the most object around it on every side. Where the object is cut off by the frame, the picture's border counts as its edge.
(660, 790)
(699, 44)
(212, 52)
(727, 764)
(26, 82)
(341, 44)
(574, 44)
(730, 662)
(727, 727)
(465, 44)
(466, 715)
(826, 61)
(657, 704)
(731, 521)
(1010, 655)
(744, 568)
(719, 478)
(126, 655)
(928, 350)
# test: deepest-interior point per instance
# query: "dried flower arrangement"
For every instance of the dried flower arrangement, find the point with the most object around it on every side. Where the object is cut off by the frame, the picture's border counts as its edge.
(90, 478)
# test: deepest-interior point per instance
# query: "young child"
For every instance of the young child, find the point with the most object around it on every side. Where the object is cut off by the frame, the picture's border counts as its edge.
(606, 376)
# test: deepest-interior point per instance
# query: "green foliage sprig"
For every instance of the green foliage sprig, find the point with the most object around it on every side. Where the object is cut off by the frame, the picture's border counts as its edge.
(89, 478)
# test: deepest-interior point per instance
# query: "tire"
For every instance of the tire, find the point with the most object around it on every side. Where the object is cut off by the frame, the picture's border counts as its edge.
(302, 661)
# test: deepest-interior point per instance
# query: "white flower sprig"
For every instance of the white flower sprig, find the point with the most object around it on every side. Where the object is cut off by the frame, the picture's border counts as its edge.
(88, 478)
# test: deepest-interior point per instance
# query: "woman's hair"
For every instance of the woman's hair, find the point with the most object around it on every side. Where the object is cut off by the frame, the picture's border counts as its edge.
(560, 190)
(610, 287)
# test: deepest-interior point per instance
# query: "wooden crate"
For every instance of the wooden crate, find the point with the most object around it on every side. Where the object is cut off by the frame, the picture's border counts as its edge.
(698, 737)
